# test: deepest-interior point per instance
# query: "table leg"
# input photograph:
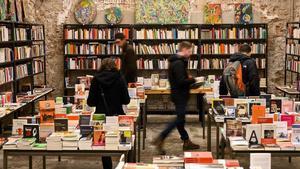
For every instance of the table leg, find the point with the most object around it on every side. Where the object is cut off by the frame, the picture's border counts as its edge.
(30, 162)
(5, 160)
(201, 112)
(208, 132)
(145, 124)
(139, 140)
(44, 162)
(59, 158)
(223, 146)
(218, 140)
(290, 159)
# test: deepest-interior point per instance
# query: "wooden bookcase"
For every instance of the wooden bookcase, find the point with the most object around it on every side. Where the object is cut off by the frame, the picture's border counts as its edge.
(12, 44)
(292, 58)
(138, 35)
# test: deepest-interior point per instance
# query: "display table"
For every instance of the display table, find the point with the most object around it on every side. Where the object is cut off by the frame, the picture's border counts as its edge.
(45, 153)
(199, 92)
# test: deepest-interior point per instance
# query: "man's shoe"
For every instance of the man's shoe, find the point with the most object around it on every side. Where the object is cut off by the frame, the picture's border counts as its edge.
(158, 143)
(189, 145)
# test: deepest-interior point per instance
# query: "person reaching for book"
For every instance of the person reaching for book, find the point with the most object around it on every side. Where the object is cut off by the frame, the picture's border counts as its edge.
(108, 92)
(180, 82)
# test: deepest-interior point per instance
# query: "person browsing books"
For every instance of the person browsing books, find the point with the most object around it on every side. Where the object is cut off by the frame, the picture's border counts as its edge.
(108, 92)
(128, 57)
(240, 77)
(180, 82)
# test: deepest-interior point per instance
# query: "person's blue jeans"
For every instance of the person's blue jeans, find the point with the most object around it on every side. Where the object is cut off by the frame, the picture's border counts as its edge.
(107, 162)
(178, 123)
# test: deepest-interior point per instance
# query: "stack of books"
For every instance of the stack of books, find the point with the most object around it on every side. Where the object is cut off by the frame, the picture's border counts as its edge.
(85, 143)
(54, 142)
(22, 52)
(168, 161)
(70, 141)
(25, 143)
(4, 34)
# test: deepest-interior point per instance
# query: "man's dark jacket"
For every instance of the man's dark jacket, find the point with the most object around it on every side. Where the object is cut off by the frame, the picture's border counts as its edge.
(128, 67)
(179, 80)
(250, 75)
(115, 92)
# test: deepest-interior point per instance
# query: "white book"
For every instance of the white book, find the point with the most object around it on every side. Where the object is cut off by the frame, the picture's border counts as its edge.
(262, 160)
(268, 131)
(295, 138)
(253, 128)
(18, 126)
(281, 131)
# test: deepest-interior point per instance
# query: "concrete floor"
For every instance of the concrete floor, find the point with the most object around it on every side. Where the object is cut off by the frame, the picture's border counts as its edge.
(155, 125)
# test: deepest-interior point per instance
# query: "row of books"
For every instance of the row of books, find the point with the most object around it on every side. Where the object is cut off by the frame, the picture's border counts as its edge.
(234, 33)
(22, 52)
(293, 65)
(173, 33)
(5, 98)
(293, 32)
(5, 55)
(23, 70)
(92, 49)
(163, 48)
(150, 64)
(6, 75)
(5, 34)
(22, 34)
(87, 63)
(38, 66)
(221, 48)
(293, 49)
(37, 33)
(94, 33)
(221, 63)
(37, 50)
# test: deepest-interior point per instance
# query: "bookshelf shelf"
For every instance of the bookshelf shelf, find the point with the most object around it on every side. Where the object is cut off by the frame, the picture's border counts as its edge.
(19, 61)
(172, 34)
(6, 64)
(293, 38)
(90, 55)
(293, 55)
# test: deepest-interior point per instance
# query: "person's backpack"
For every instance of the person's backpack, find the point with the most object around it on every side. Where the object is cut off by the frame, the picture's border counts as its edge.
(233, 78)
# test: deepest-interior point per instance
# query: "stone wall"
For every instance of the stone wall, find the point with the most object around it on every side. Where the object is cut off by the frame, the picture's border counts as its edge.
(54, 13)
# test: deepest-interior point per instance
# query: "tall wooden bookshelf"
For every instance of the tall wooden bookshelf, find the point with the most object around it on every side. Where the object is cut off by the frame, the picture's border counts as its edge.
(157, 42)
(25, 48)
(292, 61)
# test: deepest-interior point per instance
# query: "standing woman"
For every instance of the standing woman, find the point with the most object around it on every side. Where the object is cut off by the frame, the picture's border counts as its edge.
(108, 92)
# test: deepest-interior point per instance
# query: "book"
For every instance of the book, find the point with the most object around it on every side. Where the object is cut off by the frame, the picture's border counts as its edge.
(126, 122)
(18, 126)
(281, 131)
(60, 124)
(257, 112)
(99, 138)
(218, 106)
(272, 147)
(262, 160)
(165, 160)
(230, 111)
(262, 120)
(233, 128)
(212, 14)
(286, 146)
(80, 90)
(253, 133)
(47, 116)
(242, 107)
(275, 106)
(287, 106)
(226, 49)
(86, 130)
(125, 136)
(290, 119)
(173, 33)
(31, 131)
(268, 134)
(250, 104)
(84, 119)
(198, 157)
(98, 120)
(295, 136)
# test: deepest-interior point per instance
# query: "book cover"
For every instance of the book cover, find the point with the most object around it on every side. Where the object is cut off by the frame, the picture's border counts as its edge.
(256, 128)
(260, 159)
(262, 120)
(275, 106)
(126, 122)
(287, 106)
(268, 134)
(86, 130)
(242, 107)
(297, 107)
(125, 136)
(212, 14)
(47, 105)
(84, 119)
(243, 13)
(99, 138)
(267, 97)
(295, 138)
(250, 104)
(31, 131)
(18, 126)
(233, 128)
(218, 106)
(60, 124)
(68, 99)
(281, 131)
(257, 112)
(47, 116)
(230, 111)
(80, 90)
(290, 119)
(228, 101)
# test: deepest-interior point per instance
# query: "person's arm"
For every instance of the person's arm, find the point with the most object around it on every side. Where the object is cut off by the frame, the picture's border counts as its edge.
(179, 73)
(125, 98)
(223, 88)
(93, 97)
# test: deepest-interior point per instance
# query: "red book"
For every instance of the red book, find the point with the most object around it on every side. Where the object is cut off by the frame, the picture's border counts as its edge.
(60, 116)
(258, 112)
(99, 138)
(268, 141)
(198, 157)
(262, 120)
(232, 163)
(290, 119)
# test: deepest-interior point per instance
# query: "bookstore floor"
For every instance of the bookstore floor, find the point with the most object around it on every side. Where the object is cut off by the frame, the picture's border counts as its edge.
(154, 127)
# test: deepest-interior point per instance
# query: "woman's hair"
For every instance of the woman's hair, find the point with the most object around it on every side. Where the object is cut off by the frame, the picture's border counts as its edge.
(108, 64)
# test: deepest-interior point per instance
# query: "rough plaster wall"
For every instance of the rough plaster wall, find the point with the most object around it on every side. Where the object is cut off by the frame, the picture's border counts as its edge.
(53, 13)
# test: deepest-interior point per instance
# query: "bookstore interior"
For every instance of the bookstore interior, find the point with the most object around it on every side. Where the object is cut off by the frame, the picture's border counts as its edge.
(149, 84)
